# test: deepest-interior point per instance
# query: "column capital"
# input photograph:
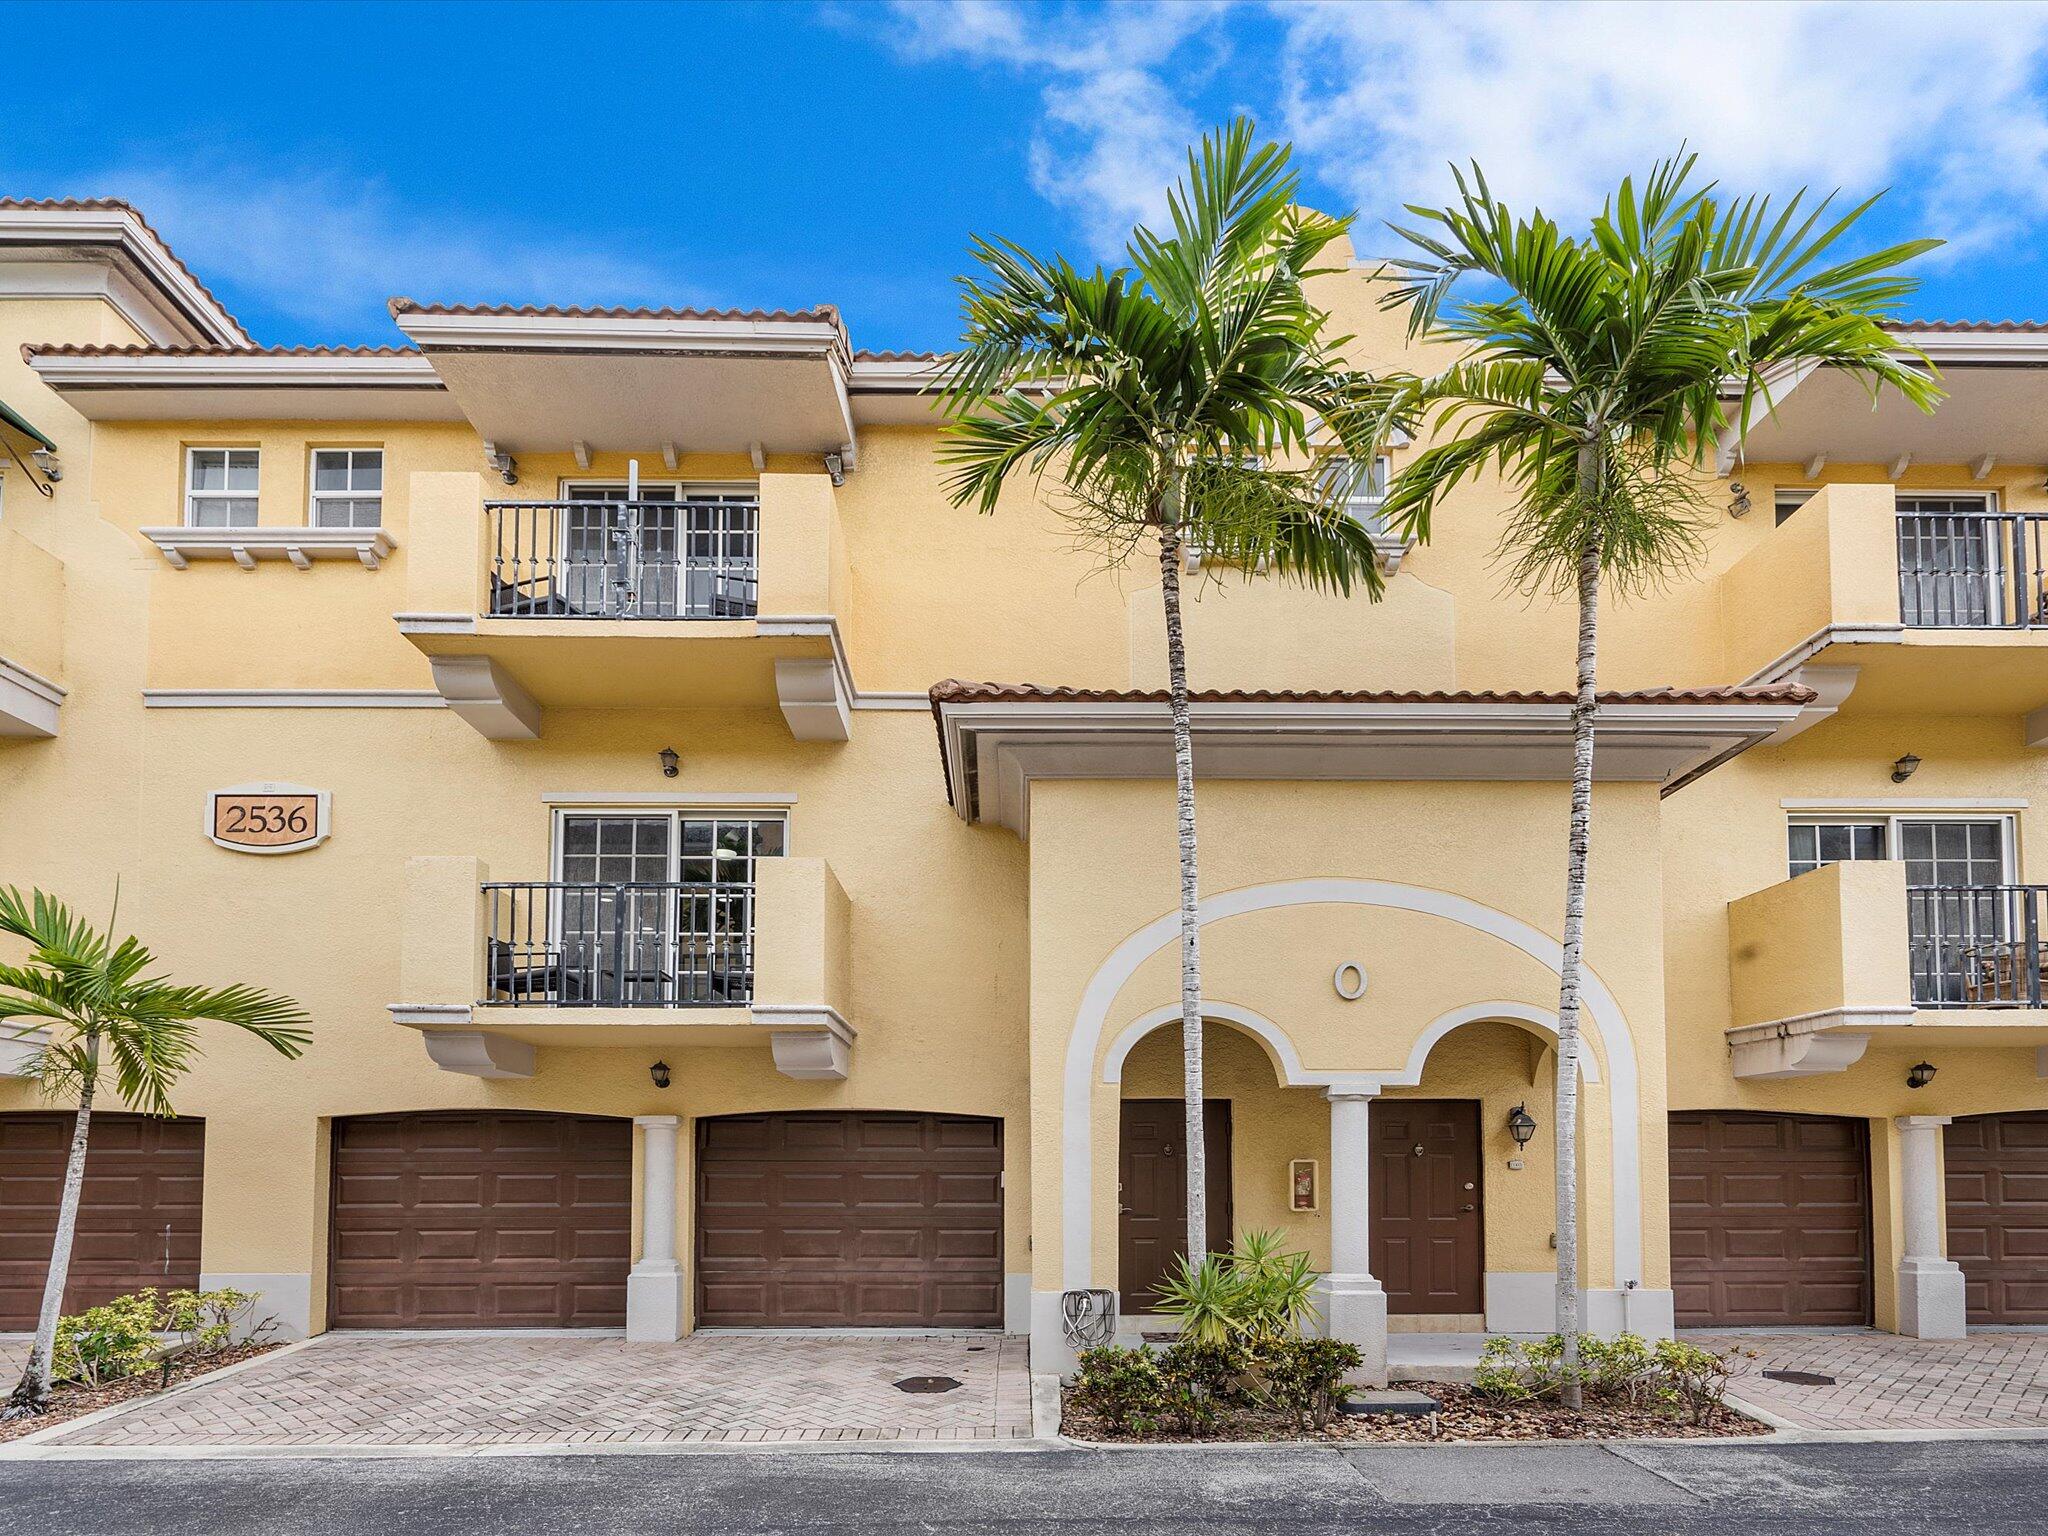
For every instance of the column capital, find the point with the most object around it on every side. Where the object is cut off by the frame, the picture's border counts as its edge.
(1338, 1093)
(658, 1122)
(1921, 1122)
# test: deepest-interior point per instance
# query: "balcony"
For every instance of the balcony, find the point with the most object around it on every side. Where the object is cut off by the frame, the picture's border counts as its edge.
(31, 637)
(1884, 612)
(736, 598)
(1822, 964)
(494, 970)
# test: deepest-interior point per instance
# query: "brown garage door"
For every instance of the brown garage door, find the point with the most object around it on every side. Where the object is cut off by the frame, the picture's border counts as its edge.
(1770, 1220)
(138, 1214)
(472, 1220)
(876, 1220)
(1998, 1215)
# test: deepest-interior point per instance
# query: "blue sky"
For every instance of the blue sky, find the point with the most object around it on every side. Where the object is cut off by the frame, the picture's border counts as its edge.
(310, 161)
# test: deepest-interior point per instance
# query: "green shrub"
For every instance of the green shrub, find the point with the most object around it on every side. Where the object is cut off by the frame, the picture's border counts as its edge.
(1304, 1378)
(207, 1322)
(108, 1343)
(1518, 1371)
(1254, 1292)
(1621, 1369)
(1670, 1375)
(1123, 1387)
(1695, 1378)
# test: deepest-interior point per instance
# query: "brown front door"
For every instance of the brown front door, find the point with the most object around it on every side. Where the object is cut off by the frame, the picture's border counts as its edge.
(1426, 1236)
(1770, 1220)
(1998, 1215)
(873, 1220)
(1152, 1180)
(480, 1220)
(138, 1214)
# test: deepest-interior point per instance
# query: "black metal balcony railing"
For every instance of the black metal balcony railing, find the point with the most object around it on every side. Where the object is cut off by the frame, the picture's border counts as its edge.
(1976, 570)
(557, 944)
(1977, 946)
(695, 558)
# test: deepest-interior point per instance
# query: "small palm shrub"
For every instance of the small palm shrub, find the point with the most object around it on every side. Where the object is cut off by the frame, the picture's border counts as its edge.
(1254, 1292)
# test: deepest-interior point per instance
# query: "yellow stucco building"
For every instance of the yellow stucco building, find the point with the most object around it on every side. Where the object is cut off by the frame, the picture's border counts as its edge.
(732, 887)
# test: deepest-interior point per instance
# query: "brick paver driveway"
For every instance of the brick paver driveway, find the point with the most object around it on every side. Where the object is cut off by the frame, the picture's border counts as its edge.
(548, 1389)
(1987, 1381)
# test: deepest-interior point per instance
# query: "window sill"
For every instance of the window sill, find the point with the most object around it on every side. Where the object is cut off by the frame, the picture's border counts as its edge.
(246, 546)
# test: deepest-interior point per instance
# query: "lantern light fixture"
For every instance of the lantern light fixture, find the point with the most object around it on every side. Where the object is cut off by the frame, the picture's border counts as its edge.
(1904, 768)
(671, 764)
(659, 1072)
(1920, 1074)
(1521, 1125)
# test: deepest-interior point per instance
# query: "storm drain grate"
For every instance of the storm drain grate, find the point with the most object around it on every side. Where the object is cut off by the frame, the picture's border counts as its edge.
(1800, 1378)
(927, 1384)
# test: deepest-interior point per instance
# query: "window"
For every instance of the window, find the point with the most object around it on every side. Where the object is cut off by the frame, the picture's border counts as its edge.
(1363, 502)
(1786, 502)
(1937, 851)
(1833, 842)
(676, 552)
(348, 488)
(220, 488)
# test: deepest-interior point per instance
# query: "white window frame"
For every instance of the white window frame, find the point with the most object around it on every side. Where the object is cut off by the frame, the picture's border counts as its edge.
(192, 452)
(1894, 819)
(315, 496)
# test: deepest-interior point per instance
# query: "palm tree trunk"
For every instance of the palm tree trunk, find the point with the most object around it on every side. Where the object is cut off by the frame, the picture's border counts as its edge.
(32, 1393)
(1190, 900)
(1585, 708)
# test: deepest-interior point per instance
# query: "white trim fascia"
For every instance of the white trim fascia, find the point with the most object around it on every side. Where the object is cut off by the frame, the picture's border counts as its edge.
(1784, 668)
(781, 625)
(29, 700)
(292, 698)
(230, 371)
(108, 281)
(1884, 805)
(820, 1018)
(886, 699)
(431, 1015)
(906, 376)
(1977, 346)
(246, 546)
(1608, 1026)
(1848, 1016)
(436, 623)
(631, 333)
(1770, 393)
(610, 799)
(123, 230)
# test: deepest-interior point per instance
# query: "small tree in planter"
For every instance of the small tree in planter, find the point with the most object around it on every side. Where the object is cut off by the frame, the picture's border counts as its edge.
(85, 997)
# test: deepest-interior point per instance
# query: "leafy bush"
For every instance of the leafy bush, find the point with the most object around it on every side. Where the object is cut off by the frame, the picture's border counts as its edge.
(107, 1343)
(1305, 1377)
(207, 1322)
(1625, 1369)
(1122, 1386)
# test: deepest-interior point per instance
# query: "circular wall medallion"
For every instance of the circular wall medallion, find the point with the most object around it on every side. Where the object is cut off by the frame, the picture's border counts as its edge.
(1349, 981)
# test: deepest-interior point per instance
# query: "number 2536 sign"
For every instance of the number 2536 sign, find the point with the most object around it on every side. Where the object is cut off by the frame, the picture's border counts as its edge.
(267, 818)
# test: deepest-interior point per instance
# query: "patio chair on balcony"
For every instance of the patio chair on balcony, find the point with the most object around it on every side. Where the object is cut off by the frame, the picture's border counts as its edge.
(1998, 973)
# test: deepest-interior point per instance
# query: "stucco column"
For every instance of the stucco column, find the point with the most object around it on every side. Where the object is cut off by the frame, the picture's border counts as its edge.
(1352, 1303)
(1930, 1286)
(654, 1289)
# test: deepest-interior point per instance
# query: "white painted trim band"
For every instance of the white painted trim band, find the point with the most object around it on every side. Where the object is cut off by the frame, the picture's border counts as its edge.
(604, 798)
(1884, 805)
(292, 698)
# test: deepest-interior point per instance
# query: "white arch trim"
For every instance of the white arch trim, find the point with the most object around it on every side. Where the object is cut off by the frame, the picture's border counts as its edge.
(1542, 1019)
(1603, 1016)
(1292, 1073)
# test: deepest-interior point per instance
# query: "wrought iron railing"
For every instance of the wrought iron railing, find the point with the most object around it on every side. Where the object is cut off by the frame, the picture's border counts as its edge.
(1977, 946)
(693, 558)
(567, 945)
(1973, 570)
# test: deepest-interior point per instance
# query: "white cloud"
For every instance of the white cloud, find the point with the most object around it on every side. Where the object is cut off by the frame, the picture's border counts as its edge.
(1556, 101)
(330, 249)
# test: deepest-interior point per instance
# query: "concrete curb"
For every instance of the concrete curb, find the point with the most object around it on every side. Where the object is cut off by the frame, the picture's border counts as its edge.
(1045, 1407)
(21, 1451)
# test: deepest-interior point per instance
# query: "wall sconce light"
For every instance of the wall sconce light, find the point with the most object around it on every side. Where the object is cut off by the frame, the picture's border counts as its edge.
(1738, 499)
(1920, 1075)
(659, 1072)
(1521, 1125)
(1905, 768)
(671, 764)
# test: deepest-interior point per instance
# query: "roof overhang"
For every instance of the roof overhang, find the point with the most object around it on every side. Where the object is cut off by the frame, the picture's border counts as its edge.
(895, 391)
(995, 749)
(1996, 411)
(136, 270)
(542, 382)
(18, 434)
(111, 385)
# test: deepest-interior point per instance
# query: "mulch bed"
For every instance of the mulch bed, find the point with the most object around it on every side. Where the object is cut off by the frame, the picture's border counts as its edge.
(1465, 1416)
(74, 1402)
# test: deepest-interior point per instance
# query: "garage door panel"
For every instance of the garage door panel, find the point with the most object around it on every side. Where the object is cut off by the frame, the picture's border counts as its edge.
(858, 1219)
(1997, 1189)
(480, 1220)
(1769, 1220)
(142, 1175)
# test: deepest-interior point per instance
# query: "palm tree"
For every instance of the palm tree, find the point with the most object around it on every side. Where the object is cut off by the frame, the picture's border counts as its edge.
(82, 995)
(1594, 376)
(1168, 392)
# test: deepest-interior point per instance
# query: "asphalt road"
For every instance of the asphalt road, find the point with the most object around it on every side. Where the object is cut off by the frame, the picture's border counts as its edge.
(1978, 1487)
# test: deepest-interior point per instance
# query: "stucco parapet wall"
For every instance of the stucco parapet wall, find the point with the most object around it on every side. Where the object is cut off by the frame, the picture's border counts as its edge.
(996, 738)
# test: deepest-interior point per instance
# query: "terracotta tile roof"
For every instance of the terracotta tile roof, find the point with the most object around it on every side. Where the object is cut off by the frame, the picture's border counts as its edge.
(867, 355)
(953, 691)
(76, 349)
(405, 306)
(121, 205)
(2002, 327)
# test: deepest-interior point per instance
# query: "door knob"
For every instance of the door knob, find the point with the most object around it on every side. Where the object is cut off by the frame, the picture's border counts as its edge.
(1468, 1206)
